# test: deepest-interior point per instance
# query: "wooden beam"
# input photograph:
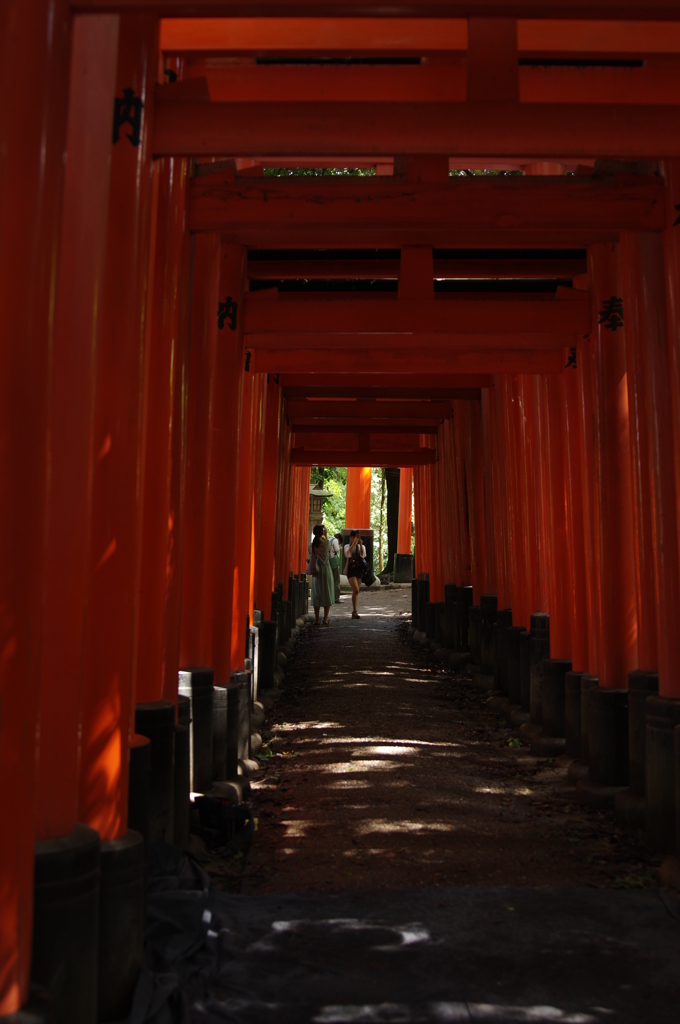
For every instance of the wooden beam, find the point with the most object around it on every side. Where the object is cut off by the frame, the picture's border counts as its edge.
(435, 361)
(614, 10)
(371, 270)
(431, 83)
(389, 322)
(299, 411)
(377, 430)
(366, 425)
(368, 347)
(346, 375)
(382, 213)
(309, 457)
(349, 391)
(539, 130)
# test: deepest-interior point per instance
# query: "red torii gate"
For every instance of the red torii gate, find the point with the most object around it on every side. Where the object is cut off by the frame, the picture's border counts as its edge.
(135, 446)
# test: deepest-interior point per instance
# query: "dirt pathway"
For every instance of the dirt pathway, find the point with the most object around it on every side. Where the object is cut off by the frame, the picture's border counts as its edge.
(385, 770)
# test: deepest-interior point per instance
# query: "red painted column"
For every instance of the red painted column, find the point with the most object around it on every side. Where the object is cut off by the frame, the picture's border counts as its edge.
(244, 520)
(405, 511)
(166, 372)
(644, 255)
(447, 453)
(194, 651)
(527, 494)
(515, 533)
(669, 684)
(358, 498)
(560, 578)
(113, 562)
(671, 172)
(72, 389)
(305, 474)
(638, 335)
(486, 414)
(580, 618)
(540, 447)
(457, 437)
(437, 571)
(618, 611)
(474, 460)
(223, 454)
(418, 519)
(445, 502)
(591, 509)
(258, 469)
(34, 72)
(283, 517)
(265, 581)
(503, 590)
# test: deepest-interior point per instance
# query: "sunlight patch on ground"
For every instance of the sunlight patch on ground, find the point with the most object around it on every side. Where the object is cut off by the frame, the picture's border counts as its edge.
(374, 686)
(288, 727)
(297, 829)
(350, 784)
(387, 750)
(341, 767)
(443, 1013)
(387, 740)
(382, 825)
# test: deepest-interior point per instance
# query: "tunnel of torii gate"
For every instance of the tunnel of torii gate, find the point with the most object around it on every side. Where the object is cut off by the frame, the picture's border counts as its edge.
(186, 330)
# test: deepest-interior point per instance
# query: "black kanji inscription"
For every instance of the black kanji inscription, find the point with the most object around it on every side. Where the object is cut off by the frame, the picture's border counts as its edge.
(228, 311)
(128, 110)
(247, 361)
(611, 314)
(571, 361)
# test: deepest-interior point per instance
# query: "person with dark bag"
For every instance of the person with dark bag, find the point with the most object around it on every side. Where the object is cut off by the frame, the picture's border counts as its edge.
(355, 567)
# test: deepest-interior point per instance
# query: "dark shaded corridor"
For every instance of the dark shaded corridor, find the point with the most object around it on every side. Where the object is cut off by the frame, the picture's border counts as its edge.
(383, 771)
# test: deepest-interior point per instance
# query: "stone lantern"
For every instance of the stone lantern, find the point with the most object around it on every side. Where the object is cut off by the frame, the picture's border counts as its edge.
(316, 500)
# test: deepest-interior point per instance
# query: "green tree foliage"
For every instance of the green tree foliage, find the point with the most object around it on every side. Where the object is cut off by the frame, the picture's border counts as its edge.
(318, 172)
(333, 479)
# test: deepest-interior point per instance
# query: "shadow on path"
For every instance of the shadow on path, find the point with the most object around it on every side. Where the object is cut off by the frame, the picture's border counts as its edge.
(408, 866)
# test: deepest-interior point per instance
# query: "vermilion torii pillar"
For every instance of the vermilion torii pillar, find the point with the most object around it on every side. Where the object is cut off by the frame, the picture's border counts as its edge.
(35, 67)
(647, 322)
(164, 424)
(458, 429)
(69, 970)
(249, 469)
(265, 580)
(405, 511)
(222, 469)
(358, 498)
(638, 337)
(447, 488)
(194, 649)
(163, 446)
(581, 624)
(474, 463)
(608, 435)
(283, 506)
(114, 541)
